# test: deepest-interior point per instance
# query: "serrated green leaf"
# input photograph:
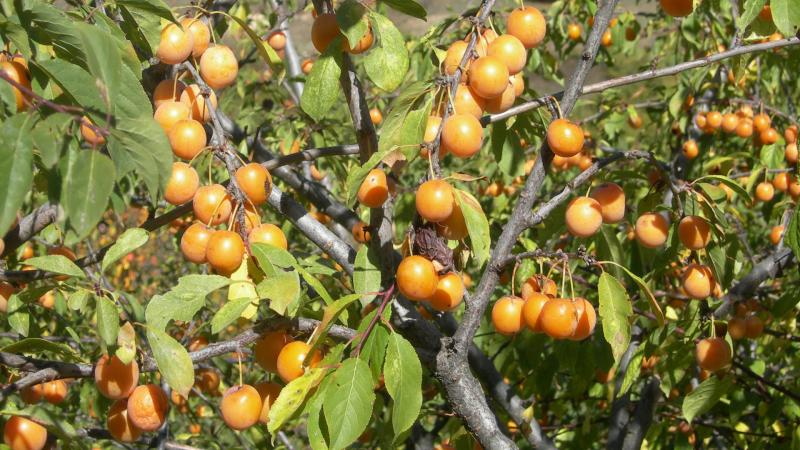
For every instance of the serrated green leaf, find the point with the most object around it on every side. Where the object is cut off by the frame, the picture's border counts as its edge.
(56, 264)
(791, 237)
(88, 179)
(155, 7)
(183, 301)
(615, 309)
(786, 15)
(126, 343)
(352, 23)
(348, 404)
(173, 361)
(408, 7)
(742, 192)
(39, 346)
(103, 60)
(477, 225)
(229, 312)
(292, 396)
(749, 13)
(387, 62)
(322, 85)
(366, 274)
(127, 242)
(270, 255)
(633, 371)
(107, 320)
(18, 315)
(705, 396)
(403, 378)
(16, 167)
(283, 291)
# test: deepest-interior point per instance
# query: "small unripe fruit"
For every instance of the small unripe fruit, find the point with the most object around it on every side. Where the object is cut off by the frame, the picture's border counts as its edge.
(694, 232)
(462, 135)
(754, 327)
(764, 191)
(176, 44)
(587, 319)
(690, 149)
(737, 328)
(225, 251)
(488, 76)
(374, 190)
(255, 181)
(169, 113)
(182, 184)
(291, 358)
(324, 30)
(532, 311)
(565, 138)
(89, 134)
(677, 8)
(194, 242)
(194, 99)
(583, 216)
(212, 204)
(507, 315)
(510, 50)
(434, 200)
(559, 318)
(776, 234)
(218, 66)
(449, 292)
(698, 281)
(417, 278)
(652, 230)
(611, 198)
(528, 25)
(20, 433)
(147, 407)
(713, 354)
(241, 407)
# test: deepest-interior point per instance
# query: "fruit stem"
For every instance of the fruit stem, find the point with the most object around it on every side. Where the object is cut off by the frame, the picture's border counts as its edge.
(239, 358)
(514, 278)
(387, 296)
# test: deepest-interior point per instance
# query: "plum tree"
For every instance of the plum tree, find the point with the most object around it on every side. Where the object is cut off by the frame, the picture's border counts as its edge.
(313, 224)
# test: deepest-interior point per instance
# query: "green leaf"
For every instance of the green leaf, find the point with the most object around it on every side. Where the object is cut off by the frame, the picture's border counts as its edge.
(270, 255)
(633, 370)
(266, 52)
(314, 283)
(45, 138)
(786, 15)
(329, 315)
(103, 59)
(507, 152)
(348, 404)
(322, 85)
(716, 193)
(742, 192)
(283, 291)
(127, 242)
(477, 225)
(791, 237)
(366, 274)
(387, 62)
(401, 128)
(292, 396)
(16, 167)
(403, 378)
(750, 12)
(88, 178)
(38, 346)
(408, 7)
(48, 25)
(183, 301)
(18, 315)
(316, 437)
(173, 361)
(615, 309)
(78, 299)
(76, 82)
(57, 264)
(126, 343)
(654, 306)
(156, 7)
(705, 396)
(772, 156)
(229, 312)
(352, 23)
(107, 320)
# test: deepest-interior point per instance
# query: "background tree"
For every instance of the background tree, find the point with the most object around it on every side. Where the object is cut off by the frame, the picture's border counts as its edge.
(567, 225)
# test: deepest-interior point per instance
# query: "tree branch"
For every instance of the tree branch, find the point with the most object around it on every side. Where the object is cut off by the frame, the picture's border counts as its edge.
(29, 227)
(643, 76)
